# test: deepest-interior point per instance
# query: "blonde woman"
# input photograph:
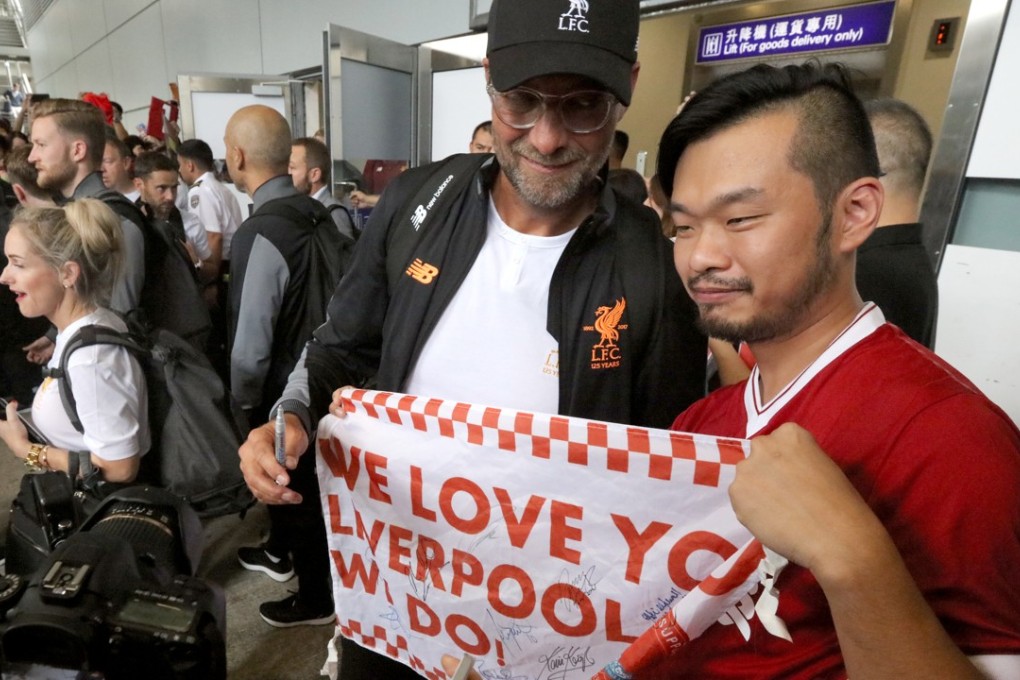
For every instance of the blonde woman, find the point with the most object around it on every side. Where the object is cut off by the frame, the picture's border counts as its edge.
(63, 263)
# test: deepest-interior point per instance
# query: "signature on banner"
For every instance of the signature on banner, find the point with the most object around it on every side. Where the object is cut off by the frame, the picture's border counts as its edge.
(516, 537)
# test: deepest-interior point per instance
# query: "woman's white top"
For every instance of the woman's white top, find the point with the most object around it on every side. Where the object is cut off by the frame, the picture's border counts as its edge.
(109, 387)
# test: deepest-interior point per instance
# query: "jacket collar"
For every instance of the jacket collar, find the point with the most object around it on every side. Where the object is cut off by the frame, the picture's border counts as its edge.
(280, 186)
(92, 185)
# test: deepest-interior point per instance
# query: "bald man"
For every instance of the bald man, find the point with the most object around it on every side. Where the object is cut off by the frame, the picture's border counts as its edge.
(267, 256)
(272, 315)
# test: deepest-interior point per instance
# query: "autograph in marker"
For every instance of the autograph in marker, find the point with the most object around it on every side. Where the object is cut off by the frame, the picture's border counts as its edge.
(564, 661)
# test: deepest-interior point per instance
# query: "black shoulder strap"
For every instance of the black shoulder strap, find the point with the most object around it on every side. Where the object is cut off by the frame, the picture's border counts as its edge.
(284, 207)
(432, 199)
(340, 206)
(84, 337)
(120, 204)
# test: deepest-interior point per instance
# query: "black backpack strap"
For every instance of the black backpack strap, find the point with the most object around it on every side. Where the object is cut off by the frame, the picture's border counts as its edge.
(340, 206)
(285, 208)
(432, 199)
(84, 337)
(120, 204)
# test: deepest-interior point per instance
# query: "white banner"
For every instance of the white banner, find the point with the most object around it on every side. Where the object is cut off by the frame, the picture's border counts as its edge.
(542, 545)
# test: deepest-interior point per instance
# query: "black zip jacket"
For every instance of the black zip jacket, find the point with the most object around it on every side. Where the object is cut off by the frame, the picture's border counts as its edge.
(376, 328)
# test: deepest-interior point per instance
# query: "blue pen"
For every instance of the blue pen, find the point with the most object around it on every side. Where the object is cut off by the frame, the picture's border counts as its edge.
(281, 435)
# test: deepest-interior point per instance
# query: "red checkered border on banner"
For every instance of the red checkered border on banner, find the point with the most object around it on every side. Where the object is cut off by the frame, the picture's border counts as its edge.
(665, 455)
(377, 638)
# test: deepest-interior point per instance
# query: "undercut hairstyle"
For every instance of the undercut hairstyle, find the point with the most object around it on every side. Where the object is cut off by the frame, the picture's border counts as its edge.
(23, 173)
(116, 142)
(86, 232)
(316, 155)
(833, 145)
(78, 120)
(153, 161)
(903, 141)
(198, 152)
(485, 125)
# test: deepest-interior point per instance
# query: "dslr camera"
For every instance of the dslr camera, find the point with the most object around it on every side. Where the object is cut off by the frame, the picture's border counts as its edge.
(117, 598)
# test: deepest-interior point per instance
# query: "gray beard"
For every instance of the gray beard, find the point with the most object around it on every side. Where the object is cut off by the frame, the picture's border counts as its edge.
(549, 195)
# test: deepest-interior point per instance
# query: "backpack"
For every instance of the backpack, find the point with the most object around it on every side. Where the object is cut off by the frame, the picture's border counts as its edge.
(328, 257)
(170, 297)
(350, 218)
(195, 426)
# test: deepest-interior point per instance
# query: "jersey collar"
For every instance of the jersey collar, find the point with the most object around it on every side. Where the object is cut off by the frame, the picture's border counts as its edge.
(759, 414)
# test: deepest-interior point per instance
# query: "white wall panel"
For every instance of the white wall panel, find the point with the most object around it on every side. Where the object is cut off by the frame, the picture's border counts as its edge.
(212, 36)
(43, 85)
(64, 82)
(95, 71)
(996, 151)
(55, 40)
(119, 11)
(150, 42)
(136, 50)
(292, 31)
(38, 49)
(979, 319)
(87, 24)
(459, 103)
(404, 21)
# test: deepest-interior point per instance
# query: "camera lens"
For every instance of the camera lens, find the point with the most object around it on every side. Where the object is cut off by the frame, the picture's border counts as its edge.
(150, 529)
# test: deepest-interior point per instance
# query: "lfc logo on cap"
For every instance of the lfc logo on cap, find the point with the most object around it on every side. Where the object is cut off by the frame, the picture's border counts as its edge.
(575, 19)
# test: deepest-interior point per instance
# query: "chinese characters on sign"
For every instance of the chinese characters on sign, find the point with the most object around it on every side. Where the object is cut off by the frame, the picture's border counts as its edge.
(829, 29)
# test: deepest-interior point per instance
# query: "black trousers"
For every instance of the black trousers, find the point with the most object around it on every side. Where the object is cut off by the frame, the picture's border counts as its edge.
(301, 531)
(358, 663)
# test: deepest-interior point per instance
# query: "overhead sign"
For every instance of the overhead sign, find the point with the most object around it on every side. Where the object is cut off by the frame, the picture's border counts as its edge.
(837, 28)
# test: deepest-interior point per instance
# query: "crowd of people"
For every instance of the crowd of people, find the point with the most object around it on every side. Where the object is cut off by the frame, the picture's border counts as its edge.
(884, 476)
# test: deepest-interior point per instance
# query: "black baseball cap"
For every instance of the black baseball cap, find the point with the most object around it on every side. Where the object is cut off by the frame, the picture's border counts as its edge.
(592, 38)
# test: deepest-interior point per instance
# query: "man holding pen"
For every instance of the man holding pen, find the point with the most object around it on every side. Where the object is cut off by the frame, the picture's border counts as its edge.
(523, 261)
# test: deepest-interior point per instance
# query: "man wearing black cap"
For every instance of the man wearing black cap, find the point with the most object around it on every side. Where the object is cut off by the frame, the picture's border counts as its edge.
(524, 283)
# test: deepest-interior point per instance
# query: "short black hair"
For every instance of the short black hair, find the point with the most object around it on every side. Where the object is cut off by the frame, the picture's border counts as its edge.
(833, 144)
(628, 183)
(153, 161)
(484, 125)
(903, 140)
(197, 151)
(621, 142)
(134, 140)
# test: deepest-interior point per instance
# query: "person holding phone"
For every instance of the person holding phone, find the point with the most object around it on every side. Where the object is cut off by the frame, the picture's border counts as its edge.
(62, 265)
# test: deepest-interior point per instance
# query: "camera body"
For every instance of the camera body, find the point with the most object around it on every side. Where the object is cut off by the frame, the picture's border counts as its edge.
(119, 597)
